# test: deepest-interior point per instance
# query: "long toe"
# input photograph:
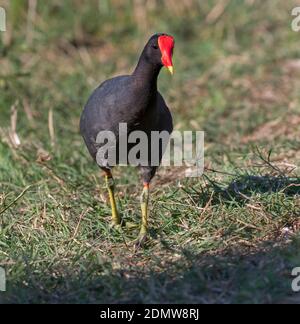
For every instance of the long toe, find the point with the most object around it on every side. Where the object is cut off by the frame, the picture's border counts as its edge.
(130, 225)
(115, 226)
(140, 241)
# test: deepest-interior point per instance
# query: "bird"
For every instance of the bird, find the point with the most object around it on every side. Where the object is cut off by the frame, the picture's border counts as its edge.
(132, 99)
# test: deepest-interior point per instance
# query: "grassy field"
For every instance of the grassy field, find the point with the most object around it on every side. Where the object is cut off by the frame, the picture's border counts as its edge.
(231, 236)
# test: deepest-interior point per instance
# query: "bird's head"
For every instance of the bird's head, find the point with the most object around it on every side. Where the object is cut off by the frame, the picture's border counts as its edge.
(159, 50)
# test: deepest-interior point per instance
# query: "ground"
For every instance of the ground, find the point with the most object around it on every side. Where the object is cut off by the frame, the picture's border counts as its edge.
(231, 236)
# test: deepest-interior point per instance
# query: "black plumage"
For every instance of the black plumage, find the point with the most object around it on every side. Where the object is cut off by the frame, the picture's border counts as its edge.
(132, 99)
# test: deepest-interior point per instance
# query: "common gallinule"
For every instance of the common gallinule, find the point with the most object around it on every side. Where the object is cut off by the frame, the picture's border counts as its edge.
(134, 100)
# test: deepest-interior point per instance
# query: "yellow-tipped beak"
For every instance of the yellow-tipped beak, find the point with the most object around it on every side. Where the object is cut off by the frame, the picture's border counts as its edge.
(171, 69)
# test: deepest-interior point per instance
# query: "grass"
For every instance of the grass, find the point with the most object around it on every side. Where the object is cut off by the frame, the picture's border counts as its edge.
(231, 236)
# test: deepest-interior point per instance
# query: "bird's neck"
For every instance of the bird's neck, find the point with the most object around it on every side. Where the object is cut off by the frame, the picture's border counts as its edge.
(146, 73)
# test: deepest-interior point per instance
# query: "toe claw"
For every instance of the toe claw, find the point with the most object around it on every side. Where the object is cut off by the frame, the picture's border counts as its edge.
(116, 226)
(130, 225)
(140, 242)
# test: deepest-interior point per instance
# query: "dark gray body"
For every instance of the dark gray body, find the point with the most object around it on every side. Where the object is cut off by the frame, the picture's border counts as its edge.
(131, 99)
(122, 100)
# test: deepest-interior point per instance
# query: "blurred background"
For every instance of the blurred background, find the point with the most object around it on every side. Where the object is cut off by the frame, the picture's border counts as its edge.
(236, 77)
(56, 53)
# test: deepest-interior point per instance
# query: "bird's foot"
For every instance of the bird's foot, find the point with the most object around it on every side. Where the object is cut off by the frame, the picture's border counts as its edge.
(116, 225)
(140, 241)
(123, 224)
(130, 225)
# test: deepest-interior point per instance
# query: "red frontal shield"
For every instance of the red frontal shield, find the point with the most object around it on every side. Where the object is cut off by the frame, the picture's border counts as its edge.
(166, 45)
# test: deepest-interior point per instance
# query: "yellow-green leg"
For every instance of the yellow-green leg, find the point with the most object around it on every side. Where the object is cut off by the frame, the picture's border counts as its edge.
(110, 184)
(144, 207)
